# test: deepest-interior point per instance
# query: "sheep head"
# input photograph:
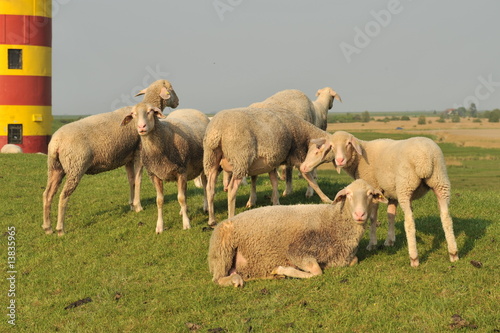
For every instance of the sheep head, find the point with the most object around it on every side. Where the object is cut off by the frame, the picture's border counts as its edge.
(162, 88)
(360, 199)
(332, 94)
(337, 148)
(144, 115)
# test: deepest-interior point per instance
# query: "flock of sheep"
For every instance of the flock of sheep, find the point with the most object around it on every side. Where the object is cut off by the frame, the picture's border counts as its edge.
(287, 129)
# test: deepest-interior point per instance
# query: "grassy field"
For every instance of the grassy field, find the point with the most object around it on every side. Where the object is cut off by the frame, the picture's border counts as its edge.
(111, 273)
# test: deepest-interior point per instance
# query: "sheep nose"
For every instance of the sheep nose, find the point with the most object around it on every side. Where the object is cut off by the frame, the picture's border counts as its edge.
(360, 216)
(340, 161)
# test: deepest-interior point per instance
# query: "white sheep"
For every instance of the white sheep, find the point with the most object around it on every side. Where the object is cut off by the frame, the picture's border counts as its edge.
(299, 104)
(96, 144)
(11, 149)
(171, 150)
(404, 170)
(252, 141)
(296, 241)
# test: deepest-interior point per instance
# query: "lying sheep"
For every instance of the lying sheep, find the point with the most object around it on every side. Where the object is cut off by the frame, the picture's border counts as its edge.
(11, 149)
(296, 241)
(171, 150)
(96, 144)
(252, 141)
(299, 104)
(404, 170)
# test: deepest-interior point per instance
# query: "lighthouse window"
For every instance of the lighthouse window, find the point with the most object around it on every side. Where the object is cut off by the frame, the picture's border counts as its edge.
(15, 133)
(15, 58)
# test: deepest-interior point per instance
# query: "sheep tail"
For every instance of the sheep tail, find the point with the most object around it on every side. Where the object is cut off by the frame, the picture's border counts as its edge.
(222, 251)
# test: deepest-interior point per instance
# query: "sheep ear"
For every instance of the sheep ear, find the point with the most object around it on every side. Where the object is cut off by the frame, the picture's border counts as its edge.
(355, 144)
(158, 113)
(318, 92)
(318, 142)
(142, 92)
(164, 93)
(379, 197)
(340, 196)
(127, 119)
(337, 97)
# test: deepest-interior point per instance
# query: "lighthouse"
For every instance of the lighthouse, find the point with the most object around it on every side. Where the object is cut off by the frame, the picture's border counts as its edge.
(26, 74)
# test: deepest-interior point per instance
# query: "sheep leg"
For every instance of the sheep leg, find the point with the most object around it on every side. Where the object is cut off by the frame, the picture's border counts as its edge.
(134, 175)
(372, 244)
(314, 185)
(310, 190)
(234, 279)
(447, 224)
(212, 172)
(54, 180)
(310, 268)
(181, 197)
(68, 188)
(273, 176)
(158, 183)
(288, 179)
(391, 220)
(252, 200)
(231, 195)
(204, 185)
(410, 232)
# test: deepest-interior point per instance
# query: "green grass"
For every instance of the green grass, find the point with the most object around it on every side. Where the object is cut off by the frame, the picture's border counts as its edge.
(142, 282)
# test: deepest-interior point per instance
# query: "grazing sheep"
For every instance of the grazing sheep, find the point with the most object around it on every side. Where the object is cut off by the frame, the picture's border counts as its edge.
(11, 149)
(96, 144)
(404, 170)
(296, 241)
(299, 104)
(171, 150)
(252, 141)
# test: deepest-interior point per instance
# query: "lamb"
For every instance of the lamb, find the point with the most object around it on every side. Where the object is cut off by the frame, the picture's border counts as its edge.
(296, 241)
(171, 150)
(404, 170)
(252, 141)
(11, 149)
(96, 144)
(298, 103)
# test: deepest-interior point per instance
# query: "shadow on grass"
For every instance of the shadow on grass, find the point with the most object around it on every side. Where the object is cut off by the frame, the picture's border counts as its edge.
(472, 229)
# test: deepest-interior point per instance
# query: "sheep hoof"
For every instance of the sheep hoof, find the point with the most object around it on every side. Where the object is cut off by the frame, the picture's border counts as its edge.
(60, 233)
(159, 231)
(354, 261)
(136, 209)
(186, 227)
(48, 231)
(285, 193)
(414, 262)
(390, 242)
(371, 247)
(212, 223)
(249, 205)
(309, 193)
(237, 280)
(453, 257)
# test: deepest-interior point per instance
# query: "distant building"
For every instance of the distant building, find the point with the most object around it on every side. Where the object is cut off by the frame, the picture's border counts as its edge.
(26, 74)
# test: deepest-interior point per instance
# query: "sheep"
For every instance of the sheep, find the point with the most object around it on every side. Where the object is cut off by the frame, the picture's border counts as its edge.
(96, 144)
(171, 150)
(11, 149)
(315, 112)
(404, 170)
(296, 241)
(252, 141)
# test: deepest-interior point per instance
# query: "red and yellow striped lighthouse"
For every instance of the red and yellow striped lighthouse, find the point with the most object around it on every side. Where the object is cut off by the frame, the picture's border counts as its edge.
(25, 74)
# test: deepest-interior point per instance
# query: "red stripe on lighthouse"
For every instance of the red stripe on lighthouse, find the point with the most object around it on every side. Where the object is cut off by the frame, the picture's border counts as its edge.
(25, 90)
(26, 30)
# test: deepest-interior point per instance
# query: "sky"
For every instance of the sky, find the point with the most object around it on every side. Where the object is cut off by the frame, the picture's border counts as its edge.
(387, 55)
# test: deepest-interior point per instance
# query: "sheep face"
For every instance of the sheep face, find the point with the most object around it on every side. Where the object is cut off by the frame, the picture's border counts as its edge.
(338, 148)
(144, 115)
(360, 199)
